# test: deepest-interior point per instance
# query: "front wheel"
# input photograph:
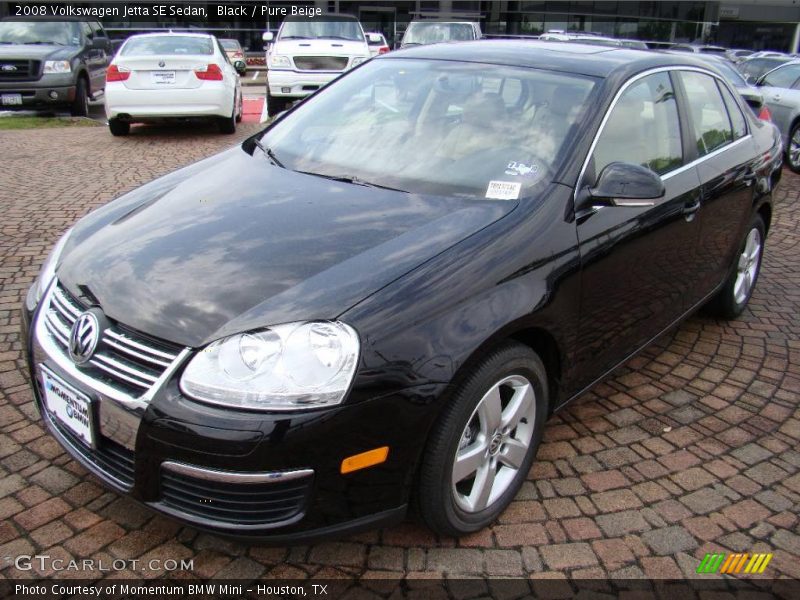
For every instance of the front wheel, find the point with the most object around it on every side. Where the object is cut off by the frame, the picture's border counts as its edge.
(735, 294)
(80, 105)
(793, 149)
(481, 450)
(275, 105)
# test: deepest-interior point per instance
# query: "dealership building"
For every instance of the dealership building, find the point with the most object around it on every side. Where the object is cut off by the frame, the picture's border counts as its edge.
(756, 25)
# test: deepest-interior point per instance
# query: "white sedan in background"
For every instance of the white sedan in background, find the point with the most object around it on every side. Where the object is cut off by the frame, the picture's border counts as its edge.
(163, 76)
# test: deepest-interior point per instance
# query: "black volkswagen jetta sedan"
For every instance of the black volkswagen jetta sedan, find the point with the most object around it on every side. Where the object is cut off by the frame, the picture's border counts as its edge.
(379, 299)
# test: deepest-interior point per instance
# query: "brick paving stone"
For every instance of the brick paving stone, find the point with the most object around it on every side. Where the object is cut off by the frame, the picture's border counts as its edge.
(669, 540)
(611, 490)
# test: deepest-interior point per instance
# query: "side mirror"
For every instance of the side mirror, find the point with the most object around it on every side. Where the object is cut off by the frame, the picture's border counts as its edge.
(267, 36)
(627, 184)
(374, 38)
(240, 66)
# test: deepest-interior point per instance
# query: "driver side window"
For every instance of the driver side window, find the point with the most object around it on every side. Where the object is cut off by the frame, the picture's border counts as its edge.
(643, 128)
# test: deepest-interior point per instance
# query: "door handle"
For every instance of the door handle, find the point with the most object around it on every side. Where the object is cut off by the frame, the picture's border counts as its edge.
(690, 208)
(776, 98)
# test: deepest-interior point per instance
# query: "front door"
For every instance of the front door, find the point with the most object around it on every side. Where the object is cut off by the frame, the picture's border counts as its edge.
(637, 262)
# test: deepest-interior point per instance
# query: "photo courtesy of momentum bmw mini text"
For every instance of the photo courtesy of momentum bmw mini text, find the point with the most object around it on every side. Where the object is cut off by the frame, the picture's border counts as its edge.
(399, 299)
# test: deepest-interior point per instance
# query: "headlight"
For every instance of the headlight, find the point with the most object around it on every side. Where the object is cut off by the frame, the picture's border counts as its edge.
(48, 270)
(277, 61)
(285, 367)
(57, 66)
(358, 60)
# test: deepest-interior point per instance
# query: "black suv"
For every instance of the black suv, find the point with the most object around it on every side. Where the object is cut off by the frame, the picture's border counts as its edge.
(52, 63)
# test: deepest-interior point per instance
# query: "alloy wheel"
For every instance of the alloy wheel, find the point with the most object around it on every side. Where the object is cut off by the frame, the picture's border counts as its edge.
(494, 444)
(747, 269)
(794, 149)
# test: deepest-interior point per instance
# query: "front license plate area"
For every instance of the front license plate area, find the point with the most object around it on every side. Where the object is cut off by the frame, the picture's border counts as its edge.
(162, 77)
(71, 408)
(11, 99)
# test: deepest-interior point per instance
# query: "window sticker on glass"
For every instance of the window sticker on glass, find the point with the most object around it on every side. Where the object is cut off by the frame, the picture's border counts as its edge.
(503, 190)
(521, 169)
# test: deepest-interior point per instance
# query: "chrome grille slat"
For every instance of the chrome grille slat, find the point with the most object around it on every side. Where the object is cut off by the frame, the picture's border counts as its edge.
(128, 363)
(110, 362)
(133, 343)
(134, 353)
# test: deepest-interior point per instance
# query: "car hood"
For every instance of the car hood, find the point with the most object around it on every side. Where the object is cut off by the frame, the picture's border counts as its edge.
(36, 51)
(233, 243)
(326, 47)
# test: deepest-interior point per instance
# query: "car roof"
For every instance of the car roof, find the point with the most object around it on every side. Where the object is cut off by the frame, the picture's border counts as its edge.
(171, 33)
(584, 59)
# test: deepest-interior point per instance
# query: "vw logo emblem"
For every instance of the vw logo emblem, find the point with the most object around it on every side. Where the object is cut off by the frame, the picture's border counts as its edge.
(83, 338)
(9, 68)
(162, 64)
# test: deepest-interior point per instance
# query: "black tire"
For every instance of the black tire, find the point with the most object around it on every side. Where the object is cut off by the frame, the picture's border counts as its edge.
(436, 492)
(80, 105)
(227, 125)
(275, 105)
(240, 114)
(117, 127)
(731, 301)
(793, 148)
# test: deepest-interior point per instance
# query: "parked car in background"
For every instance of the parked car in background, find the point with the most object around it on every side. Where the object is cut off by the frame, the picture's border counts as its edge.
(699, 48)
(169, 76)
(738, 55)
(781, 89)
(421, 33)
(52, 64)
(634, 44)
(582, 38)
(308, 53)
(753, 68)
(308, 332)
(233, 49)
(377, 44)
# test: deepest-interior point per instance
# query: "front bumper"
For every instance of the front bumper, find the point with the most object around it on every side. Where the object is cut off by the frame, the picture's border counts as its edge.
(39, 94)
(297, 84)
(189, 460)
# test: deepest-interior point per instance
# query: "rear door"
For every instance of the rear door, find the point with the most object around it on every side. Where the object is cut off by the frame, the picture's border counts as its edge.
(723, 148)
(637, 261)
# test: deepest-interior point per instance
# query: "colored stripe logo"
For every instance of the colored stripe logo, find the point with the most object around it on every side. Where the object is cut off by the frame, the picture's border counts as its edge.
(734, 564)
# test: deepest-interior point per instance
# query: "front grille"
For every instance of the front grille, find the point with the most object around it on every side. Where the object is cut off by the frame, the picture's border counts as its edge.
(320, 63)
(19, 69)
(124, 359)
(242, 504)
(110, 459)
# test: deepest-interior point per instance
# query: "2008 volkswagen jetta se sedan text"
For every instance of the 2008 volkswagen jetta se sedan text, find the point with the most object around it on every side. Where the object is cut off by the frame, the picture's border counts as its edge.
(377, 301)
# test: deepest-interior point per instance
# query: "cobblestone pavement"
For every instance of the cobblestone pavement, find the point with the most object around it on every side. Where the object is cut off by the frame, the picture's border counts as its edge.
(691, 448)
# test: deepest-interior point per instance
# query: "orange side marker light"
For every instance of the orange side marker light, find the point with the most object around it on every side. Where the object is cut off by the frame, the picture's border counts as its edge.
(370, 458)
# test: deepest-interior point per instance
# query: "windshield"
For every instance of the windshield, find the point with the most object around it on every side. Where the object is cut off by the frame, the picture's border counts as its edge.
(329, 29)
(167, 44)
(40, 32)
(431, 33)
(435, 127)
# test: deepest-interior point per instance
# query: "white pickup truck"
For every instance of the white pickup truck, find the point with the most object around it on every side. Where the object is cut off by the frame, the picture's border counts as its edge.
(307, 53)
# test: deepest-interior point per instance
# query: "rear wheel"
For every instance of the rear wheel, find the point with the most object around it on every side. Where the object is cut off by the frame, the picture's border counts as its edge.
(80, 105)
(793, 150)
(482, 447)
(240, 114)
(734, 296)
(117, 127)
(227, 125)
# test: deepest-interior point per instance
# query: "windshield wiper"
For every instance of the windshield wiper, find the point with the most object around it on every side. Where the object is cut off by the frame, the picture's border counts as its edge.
(337, 37)
(46, 43)
(295, 37)
(354, 180)
(268, 153)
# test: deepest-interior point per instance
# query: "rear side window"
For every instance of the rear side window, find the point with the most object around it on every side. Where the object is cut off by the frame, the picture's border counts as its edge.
(783, 77)
(168, 44)
(710, 123)
(643, 128)
(734, 112)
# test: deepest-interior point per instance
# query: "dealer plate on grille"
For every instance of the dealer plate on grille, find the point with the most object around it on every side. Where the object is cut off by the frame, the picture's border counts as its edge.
(72, 409)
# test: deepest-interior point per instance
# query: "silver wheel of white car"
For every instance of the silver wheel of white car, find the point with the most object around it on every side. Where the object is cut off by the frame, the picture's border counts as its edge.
(793, 151)
(494, 444)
